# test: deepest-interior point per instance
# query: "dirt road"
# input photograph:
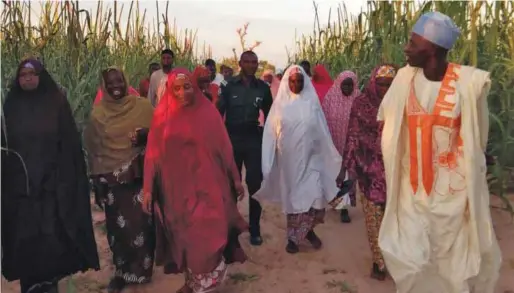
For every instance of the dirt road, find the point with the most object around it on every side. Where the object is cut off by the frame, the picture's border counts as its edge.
(343, 265)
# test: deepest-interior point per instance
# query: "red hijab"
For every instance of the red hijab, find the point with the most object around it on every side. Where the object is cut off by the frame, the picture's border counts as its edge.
(160, 113)
(321, 81)
(202, 71)
(189, 156)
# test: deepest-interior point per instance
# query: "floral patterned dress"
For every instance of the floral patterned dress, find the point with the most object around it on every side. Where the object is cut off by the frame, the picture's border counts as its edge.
(363, 160)
(130, 231)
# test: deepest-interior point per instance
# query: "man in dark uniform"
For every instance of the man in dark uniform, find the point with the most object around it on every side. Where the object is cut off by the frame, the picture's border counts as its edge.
(240, 100)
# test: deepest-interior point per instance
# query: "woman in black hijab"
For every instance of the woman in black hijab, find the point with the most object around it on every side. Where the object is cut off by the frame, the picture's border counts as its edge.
(47, 230)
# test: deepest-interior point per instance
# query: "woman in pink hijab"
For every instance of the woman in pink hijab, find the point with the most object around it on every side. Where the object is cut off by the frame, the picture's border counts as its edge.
(337, 106)
(321, 81)
(272, 80)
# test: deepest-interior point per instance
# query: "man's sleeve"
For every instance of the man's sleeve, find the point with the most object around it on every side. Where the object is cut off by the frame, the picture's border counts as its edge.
(152, 89)
(483, 109)
(161, 89)
(267, 101)
(221, 104)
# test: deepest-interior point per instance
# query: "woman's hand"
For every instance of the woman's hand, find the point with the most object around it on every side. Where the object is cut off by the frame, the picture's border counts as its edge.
(139, 137)
(100, 191)
(147, 203)
(135, 136)
(240, 190)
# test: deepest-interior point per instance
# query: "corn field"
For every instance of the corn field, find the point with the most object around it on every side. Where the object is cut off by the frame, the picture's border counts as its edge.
(75, 44)
(379, 33)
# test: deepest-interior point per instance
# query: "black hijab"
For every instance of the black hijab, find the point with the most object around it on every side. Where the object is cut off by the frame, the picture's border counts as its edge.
(40, 129)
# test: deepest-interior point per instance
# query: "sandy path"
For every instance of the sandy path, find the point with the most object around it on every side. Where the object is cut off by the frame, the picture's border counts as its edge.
(343, 265)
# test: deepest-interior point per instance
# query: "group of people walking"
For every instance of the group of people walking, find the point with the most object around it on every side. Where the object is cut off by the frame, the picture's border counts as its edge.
(166, 168)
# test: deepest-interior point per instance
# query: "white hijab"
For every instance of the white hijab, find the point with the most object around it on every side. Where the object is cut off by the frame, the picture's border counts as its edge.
(299, 160)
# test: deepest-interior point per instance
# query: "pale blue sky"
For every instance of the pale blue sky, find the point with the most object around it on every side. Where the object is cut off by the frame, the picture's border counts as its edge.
(271, 22)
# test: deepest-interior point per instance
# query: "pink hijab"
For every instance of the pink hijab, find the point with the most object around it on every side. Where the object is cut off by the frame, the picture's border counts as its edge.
(321, 81)
(275, 83)
(337, 108)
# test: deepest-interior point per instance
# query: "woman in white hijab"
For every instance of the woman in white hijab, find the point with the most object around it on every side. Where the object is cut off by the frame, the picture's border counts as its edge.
(299, 160)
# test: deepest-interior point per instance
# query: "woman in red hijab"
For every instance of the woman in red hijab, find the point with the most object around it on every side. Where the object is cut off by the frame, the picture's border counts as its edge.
(202, 79)
(321, 81)
(192, 185)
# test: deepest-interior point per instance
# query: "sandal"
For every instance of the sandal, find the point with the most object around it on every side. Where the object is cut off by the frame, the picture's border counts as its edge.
(292, 248)
(314, 239)
(169, 269)
(345, 216)
(377, 273)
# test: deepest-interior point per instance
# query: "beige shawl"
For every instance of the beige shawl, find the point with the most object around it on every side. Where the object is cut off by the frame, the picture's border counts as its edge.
(106, 136)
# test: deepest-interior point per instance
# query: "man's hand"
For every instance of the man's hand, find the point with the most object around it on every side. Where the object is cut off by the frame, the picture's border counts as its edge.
(341, 177)
(490, 160)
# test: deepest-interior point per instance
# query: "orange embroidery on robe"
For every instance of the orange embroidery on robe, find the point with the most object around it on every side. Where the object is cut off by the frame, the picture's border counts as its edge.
(419, 118)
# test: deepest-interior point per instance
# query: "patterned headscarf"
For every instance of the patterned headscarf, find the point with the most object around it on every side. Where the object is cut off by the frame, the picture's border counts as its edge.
(385, 70)
(337, 108)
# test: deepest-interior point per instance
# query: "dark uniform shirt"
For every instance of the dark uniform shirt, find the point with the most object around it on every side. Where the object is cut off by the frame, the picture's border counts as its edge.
(241, 104)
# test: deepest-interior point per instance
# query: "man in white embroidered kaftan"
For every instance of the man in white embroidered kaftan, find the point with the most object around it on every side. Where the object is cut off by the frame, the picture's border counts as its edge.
(436, 234)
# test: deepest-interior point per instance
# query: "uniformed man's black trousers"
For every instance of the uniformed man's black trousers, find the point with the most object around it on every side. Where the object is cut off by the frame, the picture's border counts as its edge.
(247, 150)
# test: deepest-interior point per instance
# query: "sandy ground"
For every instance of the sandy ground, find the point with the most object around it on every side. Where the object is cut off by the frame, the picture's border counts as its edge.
(342, 266)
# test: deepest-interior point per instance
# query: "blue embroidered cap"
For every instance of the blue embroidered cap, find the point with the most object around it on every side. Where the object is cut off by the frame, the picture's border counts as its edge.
(438, 29)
